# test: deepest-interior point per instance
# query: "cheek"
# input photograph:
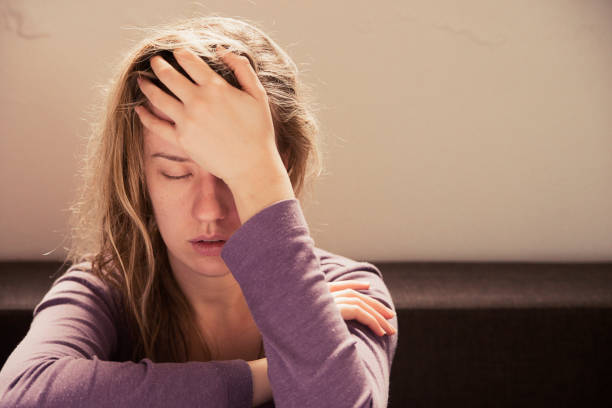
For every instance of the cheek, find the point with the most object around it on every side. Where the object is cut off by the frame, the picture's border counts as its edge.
(168, 220)
(167, 208)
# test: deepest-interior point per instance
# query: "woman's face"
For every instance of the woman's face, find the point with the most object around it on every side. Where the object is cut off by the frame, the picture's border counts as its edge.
(198, 204)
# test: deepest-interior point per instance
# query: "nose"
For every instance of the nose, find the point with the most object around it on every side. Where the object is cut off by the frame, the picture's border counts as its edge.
(210, 201)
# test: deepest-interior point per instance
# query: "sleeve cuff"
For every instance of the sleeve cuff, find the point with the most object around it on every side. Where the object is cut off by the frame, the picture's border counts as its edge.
(239, 382)
(273, 223)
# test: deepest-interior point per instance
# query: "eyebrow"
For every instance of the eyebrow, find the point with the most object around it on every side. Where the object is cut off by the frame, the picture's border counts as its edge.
(171, 157)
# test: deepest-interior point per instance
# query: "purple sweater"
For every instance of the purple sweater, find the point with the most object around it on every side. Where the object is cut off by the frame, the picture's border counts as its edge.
(75, 353)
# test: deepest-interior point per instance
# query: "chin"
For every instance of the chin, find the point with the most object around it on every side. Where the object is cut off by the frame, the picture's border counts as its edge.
(211, 265)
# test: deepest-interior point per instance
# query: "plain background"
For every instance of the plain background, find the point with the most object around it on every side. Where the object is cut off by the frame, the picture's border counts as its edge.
(453, 131)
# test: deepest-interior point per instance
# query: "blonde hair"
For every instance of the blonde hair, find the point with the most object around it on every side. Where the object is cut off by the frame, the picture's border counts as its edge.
(113, 225)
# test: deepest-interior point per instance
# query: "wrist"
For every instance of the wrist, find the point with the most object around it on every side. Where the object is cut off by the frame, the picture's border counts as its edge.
(262, 391)
(260, 189)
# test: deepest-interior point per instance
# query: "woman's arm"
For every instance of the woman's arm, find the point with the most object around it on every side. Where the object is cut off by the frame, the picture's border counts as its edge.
(315, 359)
(354, 306)
(63, 361)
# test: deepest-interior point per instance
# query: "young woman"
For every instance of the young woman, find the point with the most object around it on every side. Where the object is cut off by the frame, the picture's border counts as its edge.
(195, 281)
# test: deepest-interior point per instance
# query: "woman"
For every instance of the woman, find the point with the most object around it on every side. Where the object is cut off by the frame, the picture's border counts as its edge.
(202, 285)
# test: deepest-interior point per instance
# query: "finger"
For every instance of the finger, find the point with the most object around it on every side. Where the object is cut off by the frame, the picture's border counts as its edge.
(354, 312)
(368, 299)
(194, 65)
(244, 73)
(162, 101)
(154, 124)
(348, 284)
(176, 82)
(370, 311)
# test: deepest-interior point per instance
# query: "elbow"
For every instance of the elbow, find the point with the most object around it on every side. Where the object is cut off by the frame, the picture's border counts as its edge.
(10, 380)
(369, 403)
(374, 401)
(375, 391)
(370, 399)
(17, 386)
(10, 388)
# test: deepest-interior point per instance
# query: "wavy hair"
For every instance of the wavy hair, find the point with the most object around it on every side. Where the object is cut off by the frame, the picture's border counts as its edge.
(112, 222)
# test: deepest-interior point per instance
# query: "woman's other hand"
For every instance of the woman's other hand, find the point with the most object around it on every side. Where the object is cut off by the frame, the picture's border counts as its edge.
(354, 305)
(227, 131)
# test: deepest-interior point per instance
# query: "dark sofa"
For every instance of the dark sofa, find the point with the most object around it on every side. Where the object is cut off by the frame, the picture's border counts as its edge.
(470, 334)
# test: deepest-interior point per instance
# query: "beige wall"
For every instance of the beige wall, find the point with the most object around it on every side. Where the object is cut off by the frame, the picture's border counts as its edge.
(455, 131)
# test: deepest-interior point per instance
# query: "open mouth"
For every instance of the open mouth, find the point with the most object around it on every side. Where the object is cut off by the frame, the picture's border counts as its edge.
(209, 243)
(208, 248)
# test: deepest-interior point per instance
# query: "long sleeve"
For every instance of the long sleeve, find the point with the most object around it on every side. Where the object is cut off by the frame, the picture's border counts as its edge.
(315, 359)
(63, 361)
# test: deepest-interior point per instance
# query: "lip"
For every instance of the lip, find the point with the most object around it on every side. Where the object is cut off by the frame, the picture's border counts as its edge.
(208, 248)
(216, 237)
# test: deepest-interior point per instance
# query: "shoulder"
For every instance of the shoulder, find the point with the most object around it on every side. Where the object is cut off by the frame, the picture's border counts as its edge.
(80, 285)
(81, 274)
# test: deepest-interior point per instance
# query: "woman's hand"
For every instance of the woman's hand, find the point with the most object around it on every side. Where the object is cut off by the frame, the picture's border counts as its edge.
(361, 307)
(227, 131)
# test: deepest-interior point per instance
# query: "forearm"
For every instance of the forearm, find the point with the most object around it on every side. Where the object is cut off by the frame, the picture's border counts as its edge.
(262, 391)
(32, 380)
(251, 195)
(314, 361)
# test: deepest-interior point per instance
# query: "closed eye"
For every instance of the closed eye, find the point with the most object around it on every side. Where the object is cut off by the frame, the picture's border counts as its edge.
(176, 177)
